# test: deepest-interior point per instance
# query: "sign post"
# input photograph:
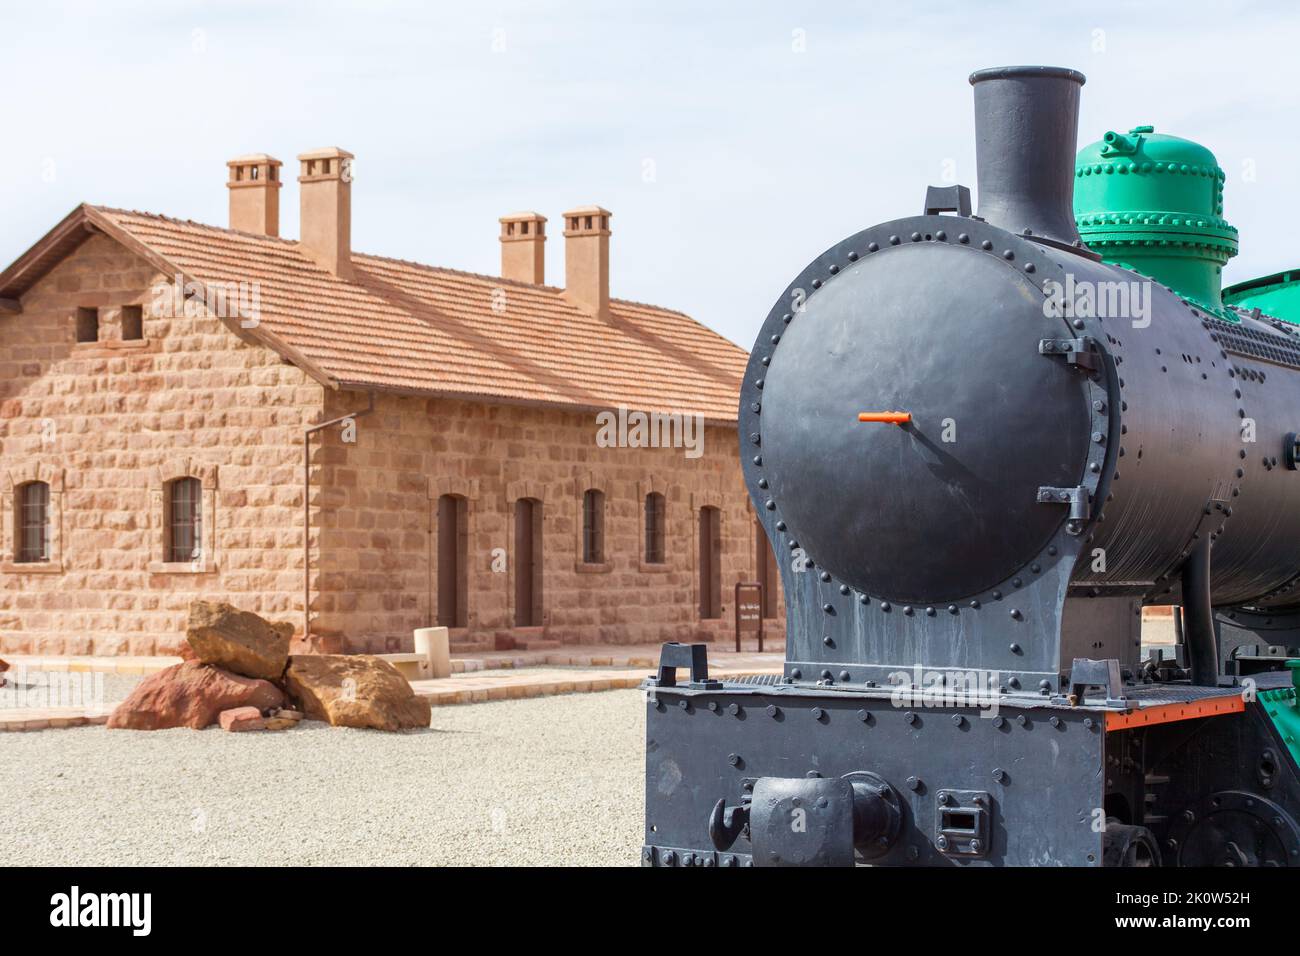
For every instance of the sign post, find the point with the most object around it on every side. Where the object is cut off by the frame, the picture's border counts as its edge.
(749, 612)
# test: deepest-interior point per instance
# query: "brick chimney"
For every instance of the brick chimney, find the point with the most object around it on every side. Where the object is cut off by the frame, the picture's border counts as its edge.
(523, 247)
(586, 259)
(325, 192)
(254, 186)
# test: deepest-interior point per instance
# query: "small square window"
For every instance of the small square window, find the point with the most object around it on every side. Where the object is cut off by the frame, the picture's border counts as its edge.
(132, 323)
(87, 325)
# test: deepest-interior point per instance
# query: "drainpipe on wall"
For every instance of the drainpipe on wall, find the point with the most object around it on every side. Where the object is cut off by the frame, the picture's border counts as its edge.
(306, 505)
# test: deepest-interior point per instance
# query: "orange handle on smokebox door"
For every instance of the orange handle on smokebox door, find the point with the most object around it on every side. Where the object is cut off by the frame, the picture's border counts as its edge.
(891, 418)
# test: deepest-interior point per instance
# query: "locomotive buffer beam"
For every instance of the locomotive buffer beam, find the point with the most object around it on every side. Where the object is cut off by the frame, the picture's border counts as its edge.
(811, 821)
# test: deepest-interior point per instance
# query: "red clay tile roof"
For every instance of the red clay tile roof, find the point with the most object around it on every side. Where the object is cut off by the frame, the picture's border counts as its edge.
(412, 328)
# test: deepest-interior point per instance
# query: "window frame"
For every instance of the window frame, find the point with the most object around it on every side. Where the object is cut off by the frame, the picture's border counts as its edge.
(135, 314)
(586, 485)
(82, 324)
(183, 516)
(162, 480)
(14, 480)
(593, 526)
(654, 543)
(23, 552)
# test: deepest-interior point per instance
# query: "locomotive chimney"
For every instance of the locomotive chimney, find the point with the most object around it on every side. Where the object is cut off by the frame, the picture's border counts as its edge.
(1026, 130)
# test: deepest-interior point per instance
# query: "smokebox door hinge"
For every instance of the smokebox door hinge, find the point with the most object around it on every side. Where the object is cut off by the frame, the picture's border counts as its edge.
(1077, 498)
(1081, 352)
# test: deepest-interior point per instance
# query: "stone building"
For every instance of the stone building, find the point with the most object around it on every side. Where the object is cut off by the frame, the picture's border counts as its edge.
(360, 444)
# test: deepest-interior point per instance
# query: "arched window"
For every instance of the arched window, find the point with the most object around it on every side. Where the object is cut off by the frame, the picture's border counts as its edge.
(184, 503)
(654, 528)
(453, 565)
(33, 522)
(710, 563)
(593, 526)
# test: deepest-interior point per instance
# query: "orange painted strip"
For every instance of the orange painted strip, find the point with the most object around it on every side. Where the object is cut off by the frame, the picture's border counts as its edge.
(891, 418)
(1168, 713)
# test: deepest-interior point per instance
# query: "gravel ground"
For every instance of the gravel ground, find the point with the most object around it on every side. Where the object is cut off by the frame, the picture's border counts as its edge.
(546, 781)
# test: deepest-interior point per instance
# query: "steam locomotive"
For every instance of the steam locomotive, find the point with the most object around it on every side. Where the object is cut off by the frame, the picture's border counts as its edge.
(980, 445)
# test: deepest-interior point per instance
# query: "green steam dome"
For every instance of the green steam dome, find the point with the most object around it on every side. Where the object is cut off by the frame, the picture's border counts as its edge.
(1154, 204)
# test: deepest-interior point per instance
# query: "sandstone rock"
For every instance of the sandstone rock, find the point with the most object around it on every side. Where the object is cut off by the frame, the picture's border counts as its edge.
(4, 666)
(354, 691)
(239, 641)
(191, 694)
(239, 719)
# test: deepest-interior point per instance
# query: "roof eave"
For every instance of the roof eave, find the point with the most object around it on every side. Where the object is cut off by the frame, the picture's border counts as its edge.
(488, 398)
(254, 335)
(86, 220)
(43, 255)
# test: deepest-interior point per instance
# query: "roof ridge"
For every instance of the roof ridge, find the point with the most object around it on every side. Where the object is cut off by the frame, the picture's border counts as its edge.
(195, 223)
(543, 349)
(427, 266)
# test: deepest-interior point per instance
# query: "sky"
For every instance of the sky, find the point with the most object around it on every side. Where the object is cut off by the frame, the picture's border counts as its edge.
(732, 141)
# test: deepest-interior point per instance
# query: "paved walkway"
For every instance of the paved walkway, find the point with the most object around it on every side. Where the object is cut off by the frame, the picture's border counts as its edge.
(90, 663)
(645, 656)
(509, 675)
(50, 718)
(541, 681)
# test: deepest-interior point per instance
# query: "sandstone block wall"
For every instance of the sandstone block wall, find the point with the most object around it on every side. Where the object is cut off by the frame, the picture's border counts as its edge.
(107, 424)
(378, 512)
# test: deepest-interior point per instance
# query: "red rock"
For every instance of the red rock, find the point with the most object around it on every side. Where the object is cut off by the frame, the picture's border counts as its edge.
(239, 641)
(3, 666)
(239, 719)
(191, 694)
(354, 690)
